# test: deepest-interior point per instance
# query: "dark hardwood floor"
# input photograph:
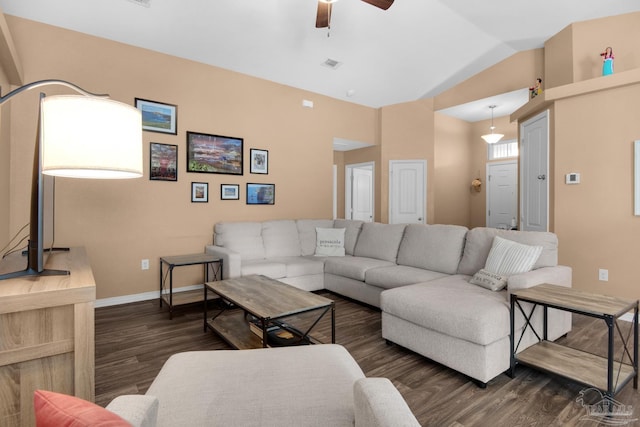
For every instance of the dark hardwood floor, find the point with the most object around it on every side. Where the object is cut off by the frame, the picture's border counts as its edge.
(134, 340)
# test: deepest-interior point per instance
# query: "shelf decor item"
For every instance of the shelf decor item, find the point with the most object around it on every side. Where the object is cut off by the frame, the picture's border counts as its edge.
(199, 192)
(214, 154)
(229, 192)
(259, 161)
(157, 116)
(163, 162)
(261, 194)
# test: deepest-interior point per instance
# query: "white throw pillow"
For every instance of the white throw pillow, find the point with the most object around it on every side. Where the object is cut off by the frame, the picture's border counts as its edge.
(489, 280)
(507, 257)
(329, 241)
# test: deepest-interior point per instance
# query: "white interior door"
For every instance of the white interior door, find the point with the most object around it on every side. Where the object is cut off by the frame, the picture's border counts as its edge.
(359, 191)
(502, 194)
(534, 173)
(407, 196)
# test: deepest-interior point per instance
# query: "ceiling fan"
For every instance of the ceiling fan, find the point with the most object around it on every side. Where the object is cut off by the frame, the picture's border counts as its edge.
(323, 17)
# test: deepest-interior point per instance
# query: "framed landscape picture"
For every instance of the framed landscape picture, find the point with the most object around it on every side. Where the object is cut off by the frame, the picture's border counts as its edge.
(259, 161)
(214, 153)
(199, 192)
(229, 192)
(261, 194)
(157, 116)
(163, 162)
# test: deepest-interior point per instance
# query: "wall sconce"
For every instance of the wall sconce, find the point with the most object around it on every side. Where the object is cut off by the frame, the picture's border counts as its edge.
(476, 184)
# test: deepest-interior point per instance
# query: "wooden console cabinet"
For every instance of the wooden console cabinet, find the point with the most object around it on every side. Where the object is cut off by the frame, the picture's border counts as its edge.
(47, 335)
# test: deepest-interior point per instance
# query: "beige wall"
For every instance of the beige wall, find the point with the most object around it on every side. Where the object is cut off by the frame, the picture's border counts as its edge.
(122, 222)
(5, 171)
(594, 220)
(558, 59)
(452, 171)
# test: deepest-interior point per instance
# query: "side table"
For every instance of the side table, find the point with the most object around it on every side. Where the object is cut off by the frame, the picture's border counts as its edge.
(168, 263)
(604, 373)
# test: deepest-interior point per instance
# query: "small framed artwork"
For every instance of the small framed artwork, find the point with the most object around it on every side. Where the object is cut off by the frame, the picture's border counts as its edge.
(229, 192)
(214, 154)
(259, 161)
(199, 192)
(158, 117)
(163, 162)
(261, 194)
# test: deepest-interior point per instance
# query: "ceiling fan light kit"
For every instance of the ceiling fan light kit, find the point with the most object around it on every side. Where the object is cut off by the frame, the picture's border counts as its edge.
(492, 138)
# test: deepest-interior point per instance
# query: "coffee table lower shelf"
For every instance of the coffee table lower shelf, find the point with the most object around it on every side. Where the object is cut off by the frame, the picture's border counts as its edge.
(576, 365)
(234, 329)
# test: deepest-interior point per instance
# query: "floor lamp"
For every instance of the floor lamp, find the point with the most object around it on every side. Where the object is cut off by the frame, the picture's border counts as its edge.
(67, 145)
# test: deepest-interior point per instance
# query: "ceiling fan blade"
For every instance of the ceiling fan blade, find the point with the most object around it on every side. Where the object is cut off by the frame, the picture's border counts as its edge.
(382, 4)
(323, 17)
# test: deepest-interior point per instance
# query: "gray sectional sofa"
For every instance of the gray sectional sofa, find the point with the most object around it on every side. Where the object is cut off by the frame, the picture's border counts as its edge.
(418, 275)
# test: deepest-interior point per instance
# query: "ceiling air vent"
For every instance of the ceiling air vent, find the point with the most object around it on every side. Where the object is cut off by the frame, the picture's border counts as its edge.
(331, 63)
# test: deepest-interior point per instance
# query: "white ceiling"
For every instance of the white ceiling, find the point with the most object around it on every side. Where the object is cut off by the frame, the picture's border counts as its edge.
(416, 49)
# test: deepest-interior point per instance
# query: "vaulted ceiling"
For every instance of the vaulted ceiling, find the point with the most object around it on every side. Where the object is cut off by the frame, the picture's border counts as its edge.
(415, 49)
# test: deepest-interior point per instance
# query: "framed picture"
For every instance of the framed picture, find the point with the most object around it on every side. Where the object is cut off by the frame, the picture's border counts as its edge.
(199, 192)
(158, 117)
(259, 161)
(163, 162)
(261, 194)
(214, 154)
(229, 192)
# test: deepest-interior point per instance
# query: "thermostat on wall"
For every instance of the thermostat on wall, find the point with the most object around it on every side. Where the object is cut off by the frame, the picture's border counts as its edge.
(572, 178)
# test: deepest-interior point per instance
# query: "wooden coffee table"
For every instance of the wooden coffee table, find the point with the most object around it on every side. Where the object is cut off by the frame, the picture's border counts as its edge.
(266, 299)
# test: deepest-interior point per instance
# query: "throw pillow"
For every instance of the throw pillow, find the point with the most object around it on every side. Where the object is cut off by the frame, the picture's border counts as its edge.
(60, 410)
(489, 280)
(507, 257)
(329, 241)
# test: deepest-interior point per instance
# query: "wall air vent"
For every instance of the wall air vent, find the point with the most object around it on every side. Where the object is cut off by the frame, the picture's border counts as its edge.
(331, 63)
(145, 3)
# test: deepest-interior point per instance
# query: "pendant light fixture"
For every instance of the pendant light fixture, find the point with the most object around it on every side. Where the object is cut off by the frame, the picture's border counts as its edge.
(492, 138)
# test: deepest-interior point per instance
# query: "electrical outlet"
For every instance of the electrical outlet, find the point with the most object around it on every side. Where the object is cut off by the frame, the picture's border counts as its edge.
(144, 264)
(603, 275)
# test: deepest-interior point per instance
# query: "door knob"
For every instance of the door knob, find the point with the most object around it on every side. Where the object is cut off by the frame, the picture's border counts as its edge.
(543, 177)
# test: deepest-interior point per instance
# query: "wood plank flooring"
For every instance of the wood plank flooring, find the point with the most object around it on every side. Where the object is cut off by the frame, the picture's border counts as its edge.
(134, 340)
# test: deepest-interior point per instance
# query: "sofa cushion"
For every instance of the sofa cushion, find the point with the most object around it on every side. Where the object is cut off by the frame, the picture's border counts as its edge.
(451, 306)
(244, 238)
(312, 384)
(352, 231)
(379, 241)
(280, 238)
(479, 241)
(269, 268)
(330, 241)
(398, 275)
(307, 233)
(432, 247)
(507, 257)
(301, 266)
(379, 404)
(352, 267)
(61, 410)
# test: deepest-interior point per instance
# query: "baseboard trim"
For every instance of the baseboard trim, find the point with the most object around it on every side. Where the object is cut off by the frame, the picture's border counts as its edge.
(145, 296)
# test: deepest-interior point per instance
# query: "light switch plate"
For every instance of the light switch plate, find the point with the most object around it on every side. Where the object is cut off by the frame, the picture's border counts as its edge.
(572, 178)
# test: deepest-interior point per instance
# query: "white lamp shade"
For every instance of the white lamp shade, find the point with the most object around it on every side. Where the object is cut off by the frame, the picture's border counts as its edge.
(90, 137)
(492, 138)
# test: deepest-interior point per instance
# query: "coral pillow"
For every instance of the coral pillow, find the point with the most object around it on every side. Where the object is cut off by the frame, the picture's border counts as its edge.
(60, 410)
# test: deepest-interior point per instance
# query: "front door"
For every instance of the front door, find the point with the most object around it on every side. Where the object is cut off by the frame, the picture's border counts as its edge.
(502, 194)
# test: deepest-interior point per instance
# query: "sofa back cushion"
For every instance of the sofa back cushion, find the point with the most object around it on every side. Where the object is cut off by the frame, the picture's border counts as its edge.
(242, 237)
(479, 241)
(352, 232)
(281, 238)
(307, 233)
(380, 241)
(432, 247)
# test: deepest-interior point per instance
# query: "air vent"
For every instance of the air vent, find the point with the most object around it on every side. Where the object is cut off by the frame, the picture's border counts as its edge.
(331, 63)
(145, 3)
